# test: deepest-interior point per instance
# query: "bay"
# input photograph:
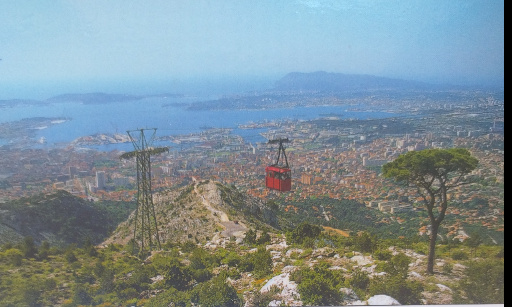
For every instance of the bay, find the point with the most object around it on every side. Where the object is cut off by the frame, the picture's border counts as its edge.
(149, 113)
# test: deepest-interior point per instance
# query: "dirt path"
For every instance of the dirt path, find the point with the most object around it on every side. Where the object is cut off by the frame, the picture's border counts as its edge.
(221, 214)
(231, 228)
(338, 231)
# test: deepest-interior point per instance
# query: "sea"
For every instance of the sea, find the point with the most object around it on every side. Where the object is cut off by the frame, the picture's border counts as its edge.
(168, 115)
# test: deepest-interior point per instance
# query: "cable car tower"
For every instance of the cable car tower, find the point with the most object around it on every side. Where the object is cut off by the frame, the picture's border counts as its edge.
(279, 176)
(145, 233)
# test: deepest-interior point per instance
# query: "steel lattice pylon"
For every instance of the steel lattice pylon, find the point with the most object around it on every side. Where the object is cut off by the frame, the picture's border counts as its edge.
(145, 233)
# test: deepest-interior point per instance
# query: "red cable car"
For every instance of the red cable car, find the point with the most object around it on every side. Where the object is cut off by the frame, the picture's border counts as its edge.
(279, 177)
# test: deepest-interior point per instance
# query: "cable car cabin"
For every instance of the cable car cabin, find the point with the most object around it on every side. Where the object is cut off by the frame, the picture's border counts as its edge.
(278, 178)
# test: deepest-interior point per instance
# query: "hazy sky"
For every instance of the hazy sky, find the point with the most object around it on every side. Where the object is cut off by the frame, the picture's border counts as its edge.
(89, 45)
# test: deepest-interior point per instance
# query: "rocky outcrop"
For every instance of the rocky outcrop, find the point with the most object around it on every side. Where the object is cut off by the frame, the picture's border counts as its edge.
(382, 300)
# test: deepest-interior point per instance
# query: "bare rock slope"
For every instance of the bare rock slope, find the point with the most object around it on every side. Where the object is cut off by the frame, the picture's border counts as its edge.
(200, 212)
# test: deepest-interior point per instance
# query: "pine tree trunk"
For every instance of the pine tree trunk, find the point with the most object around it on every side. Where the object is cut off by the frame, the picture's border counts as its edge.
(432, 248)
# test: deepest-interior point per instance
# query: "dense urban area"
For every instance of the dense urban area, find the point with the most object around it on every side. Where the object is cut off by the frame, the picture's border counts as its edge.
(332, 156)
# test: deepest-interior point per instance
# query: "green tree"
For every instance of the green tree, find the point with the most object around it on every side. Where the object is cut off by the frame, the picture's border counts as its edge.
(264, 238)
(302, 231)
(70, 256)
(365, 242)
(44, 250)
(433, 172)
(89, 248)
(262, 261)
(30, 292)
(28, 247)
(105, 276)
(250, 237)
(273, 205)
(81, 295)
(232, 259)
(177, 275)
(474, 241)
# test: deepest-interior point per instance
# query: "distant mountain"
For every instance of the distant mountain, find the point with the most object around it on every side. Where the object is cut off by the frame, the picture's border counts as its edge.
(59, 218)
(322, 81)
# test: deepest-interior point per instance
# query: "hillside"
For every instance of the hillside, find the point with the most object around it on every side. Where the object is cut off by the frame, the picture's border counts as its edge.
(60, 219)
(202, 211)
(209, 258)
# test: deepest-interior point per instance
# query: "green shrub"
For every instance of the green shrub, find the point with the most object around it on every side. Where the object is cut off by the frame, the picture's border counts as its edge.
(177, 275)
(44, 250)
(398, 265)
(302, 231)
(31, 291)
(404, 291)
(81, 295)
(232, 259)
(127, 293)
(168, 297)
(459, 255)
(501, 253)
(384, 255)
(420, 248)
(250, 237)
(28, 247)
(447, 268)
(246, 264)
(319, 286)
(263, 299)
(188, 246)
(365, 242)
(233, 273)
(70, 256)
(264, 238)
(360, 280)
(485, 282)
(140, 277)
(13, 256)
(201, 275)
(308, 243)
(215, 293)
(262, 262)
